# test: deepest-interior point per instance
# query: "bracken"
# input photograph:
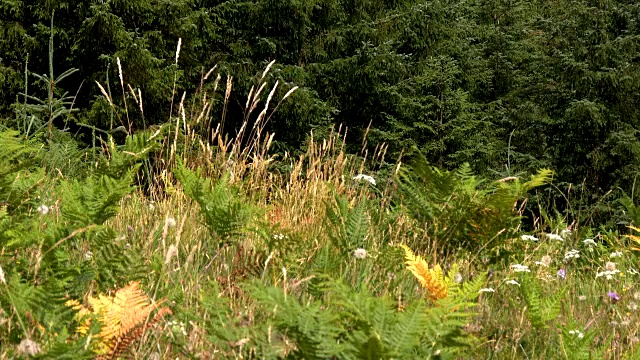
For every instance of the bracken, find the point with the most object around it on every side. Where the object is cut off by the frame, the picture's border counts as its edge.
(430, 279)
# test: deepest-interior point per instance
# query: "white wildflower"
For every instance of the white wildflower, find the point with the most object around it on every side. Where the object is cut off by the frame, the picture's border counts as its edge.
(571, 254)
(589, 242)
(366, 178)
(485, 290)
(632, 306)
(170, 222)
(360, 253)
(545, 261)
(520, 268)
(2, 278)
(28, 347)
(633, 271)
(615, 254)
(582, 298)
(608, 274)
(565, 233)
(528, 238)
(513, 282)
(610, 266)
(577, 333)
(457, 278)
(43, 209)
(88, 255)
(278, 236)
(555, 237)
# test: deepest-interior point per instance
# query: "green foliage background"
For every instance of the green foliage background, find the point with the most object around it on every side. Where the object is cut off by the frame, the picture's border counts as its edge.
(504, 85)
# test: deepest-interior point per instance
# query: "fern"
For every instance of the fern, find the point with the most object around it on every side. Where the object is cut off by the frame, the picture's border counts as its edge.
(124, 318)
(96, 199)
(225, 214)
(576, 343)
(459, 209)
(541, 308)
(15, 157)
(348, 226)
(345, 323)
(136, 148)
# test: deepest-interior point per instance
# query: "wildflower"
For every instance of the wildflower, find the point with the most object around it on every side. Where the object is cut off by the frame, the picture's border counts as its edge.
(28, 347)
(457, 278)
(589, 242)
(366, 178)
(615, 254)
(613, 296)
(360, 253)
(520, 268)
(170, 222)
(2, 278)
(555, 237)
(528, 238)
(485, 290)
(610, 266)
(576, 332)
(43, 209)
(633, 271)
(545, 261)
(565, 233)
(562, 274)
(608, 274)
(88, 255)
(582, 298)
(513, 282)
(632, 306)
(278, 236)
(571, 254)
(430, 279)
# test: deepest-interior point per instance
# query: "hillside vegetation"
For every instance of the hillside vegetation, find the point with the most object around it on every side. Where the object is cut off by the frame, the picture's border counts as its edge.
(319, 179)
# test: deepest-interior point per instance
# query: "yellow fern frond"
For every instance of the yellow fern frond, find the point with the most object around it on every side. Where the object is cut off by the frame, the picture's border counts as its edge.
(124, 318)
(431, 279)
(634, 238)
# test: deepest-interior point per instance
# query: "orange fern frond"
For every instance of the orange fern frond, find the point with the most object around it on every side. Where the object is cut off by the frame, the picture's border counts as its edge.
(431, 279)
(124, 318)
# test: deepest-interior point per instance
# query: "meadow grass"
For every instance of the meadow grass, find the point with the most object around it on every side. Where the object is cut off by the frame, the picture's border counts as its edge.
(557, 291)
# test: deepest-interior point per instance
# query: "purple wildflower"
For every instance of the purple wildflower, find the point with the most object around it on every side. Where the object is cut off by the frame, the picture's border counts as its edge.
(562, 274)
(613, 296)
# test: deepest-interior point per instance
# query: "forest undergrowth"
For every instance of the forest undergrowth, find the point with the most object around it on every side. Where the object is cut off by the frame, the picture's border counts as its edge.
(185, 240)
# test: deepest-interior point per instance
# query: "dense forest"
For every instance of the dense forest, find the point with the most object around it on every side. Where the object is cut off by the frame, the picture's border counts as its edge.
(484, 124)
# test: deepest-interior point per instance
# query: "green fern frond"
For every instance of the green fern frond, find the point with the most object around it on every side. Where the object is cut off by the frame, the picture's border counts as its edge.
(96, 199)
(225, 214)
(541, 307)
(136, 148)
(349, 226)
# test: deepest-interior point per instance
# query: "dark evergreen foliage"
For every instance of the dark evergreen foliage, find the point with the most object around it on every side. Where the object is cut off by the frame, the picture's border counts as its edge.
(505, 85)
